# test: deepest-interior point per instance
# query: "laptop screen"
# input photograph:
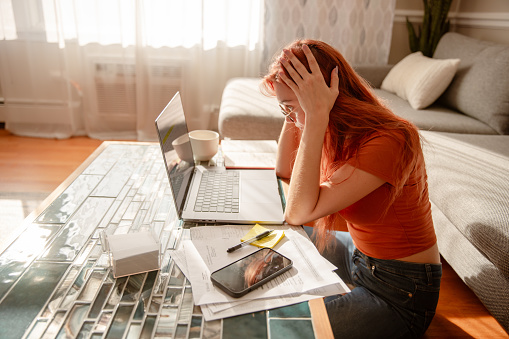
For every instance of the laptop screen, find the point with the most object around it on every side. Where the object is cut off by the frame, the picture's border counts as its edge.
(176, 148)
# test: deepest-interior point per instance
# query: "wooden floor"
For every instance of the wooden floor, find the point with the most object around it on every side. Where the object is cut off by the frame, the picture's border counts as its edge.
(40, 165)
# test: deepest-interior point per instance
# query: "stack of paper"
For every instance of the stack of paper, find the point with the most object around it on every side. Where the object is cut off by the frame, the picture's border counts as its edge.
(311, 276)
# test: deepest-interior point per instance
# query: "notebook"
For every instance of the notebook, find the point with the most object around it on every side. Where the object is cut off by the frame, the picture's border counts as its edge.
(248, 196)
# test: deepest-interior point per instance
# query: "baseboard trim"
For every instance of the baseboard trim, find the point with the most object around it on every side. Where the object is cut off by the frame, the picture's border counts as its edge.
(3, 114)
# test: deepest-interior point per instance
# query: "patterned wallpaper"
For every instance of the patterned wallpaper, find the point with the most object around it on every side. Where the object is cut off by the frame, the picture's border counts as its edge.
(360, 29)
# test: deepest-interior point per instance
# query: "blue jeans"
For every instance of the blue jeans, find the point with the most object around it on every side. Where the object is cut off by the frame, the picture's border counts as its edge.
(391, 298)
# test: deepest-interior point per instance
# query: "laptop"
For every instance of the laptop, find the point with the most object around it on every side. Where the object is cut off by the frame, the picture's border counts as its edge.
(210, 193)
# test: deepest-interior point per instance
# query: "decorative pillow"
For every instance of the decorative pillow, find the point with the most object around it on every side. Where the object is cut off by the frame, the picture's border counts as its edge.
(420, 80)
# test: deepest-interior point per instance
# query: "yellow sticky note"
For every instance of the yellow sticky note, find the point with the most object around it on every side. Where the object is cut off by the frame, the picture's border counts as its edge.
(268, 241)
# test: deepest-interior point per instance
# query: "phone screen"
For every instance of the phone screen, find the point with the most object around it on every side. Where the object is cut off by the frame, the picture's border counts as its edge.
(250, 272)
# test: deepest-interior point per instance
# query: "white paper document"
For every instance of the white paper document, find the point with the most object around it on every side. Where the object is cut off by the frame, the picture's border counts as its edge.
(310, 277)
(249, 153)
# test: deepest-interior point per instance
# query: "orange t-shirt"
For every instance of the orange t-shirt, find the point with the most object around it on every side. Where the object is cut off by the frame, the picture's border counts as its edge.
(405, 228)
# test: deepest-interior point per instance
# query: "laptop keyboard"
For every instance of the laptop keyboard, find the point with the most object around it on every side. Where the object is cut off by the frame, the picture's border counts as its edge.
(218, 192)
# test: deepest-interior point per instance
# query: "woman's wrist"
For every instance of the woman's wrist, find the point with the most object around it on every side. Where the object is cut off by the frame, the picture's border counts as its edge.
(316, 125)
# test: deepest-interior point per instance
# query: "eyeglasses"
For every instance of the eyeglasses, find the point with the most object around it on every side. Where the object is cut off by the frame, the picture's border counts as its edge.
(286, 112)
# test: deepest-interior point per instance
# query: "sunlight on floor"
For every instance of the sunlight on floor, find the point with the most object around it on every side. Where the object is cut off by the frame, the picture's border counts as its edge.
(474, 325)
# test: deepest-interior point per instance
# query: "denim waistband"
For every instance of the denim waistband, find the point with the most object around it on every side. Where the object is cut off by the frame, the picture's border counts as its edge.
(417, 270)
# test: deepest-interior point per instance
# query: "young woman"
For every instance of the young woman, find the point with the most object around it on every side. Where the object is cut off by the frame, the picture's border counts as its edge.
(354, 165)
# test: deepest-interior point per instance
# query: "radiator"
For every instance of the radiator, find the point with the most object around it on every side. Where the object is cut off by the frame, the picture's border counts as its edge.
(120, 88)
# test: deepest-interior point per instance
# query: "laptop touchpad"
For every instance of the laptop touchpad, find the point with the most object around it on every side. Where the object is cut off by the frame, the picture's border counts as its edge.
(259, 191)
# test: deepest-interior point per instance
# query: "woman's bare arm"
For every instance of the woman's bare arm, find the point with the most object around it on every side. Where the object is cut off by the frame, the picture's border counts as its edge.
(352, 184)
(287, 146)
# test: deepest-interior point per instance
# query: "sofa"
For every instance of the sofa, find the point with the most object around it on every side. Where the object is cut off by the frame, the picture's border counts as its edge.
(465, 134)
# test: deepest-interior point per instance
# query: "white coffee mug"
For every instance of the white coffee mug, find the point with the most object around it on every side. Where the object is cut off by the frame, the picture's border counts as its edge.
(182, 147)
(204, 144)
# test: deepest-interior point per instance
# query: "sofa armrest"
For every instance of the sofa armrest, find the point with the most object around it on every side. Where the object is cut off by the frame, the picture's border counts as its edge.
(374, 74)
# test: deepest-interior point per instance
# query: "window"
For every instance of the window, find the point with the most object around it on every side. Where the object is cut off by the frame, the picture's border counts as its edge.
(154, 23)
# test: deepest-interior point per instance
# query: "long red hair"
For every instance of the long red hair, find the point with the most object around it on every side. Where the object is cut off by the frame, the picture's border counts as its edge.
(355, 117)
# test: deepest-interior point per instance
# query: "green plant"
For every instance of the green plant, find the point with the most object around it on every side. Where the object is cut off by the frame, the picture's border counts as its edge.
(434, 25)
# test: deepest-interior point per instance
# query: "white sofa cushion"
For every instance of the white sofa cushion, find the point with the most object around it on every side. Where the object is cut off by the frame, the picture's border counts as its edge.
(420, 80)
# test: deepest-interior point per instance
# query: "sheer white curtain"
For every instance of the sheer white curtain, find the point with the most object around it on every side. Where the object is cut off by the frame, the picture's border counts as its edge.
(106, 68)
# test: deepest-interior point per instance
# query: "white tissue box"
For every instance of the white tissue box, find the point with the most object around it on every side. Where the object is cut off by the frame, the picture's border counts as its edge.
(133, 253)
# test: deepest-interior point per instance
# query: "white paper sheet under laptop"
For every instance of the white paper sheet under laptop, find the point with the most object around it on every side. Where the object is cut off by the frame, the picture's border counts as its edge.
(249, 196)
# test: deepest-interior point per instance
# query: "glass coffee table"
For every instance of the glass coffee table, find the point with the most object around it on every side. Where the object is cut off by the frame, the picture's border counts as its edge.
(56, 282)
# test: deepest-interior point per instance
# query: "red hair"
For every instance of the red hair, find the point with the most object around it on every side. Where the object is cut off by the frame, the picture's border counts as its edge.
(355, 117)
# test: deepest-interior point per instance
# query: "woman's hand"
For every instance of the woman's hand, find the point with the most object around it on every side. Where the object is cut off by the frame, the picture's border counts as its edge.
(315, 97)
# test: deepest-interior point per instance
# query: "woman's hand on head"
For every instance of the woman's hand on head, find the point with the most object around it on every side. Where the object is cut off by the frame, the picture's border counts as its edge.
(315, 97)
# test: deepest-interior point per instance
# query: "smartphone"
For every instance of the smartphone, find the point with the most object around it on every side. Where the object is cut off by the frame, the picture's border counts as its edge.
(250, 272)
